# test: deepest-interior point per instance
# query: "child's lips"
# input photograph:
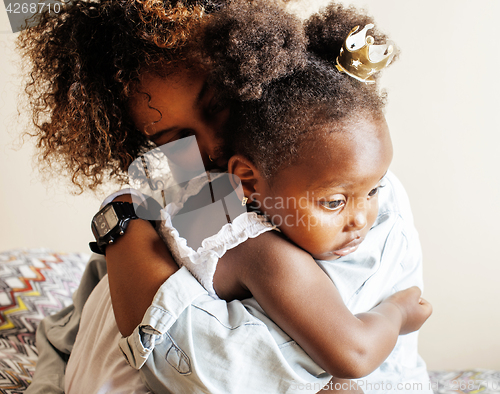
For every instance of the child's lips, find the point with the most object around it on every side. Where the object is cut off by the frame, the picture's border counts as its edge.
(349, 247)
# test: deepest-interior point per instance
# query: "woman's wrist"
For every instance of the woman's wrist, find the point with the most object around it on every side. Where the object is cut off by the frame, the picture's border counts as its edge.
(123, 198)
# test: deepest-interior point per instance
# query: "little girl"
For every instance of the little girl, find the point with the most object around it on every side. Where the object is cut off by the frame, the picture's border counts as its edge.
(326, 146)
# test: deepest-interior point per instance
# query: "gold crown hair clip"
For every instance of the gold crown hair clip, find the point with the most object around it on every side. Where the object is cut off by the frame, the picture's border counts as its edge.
(360, 59)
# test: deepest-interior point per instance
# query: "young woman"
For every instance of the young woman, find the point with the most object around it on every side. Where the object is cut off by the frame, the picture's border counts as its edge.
(88, 66)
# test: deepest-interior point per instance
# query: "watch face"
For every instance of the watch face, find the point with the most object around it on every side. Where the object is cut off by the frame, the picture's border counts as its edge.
(106, 221)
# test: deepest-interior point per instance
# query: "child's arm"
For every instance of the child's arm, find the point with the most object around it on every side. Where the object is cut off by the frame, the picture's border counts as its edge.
(296, 293)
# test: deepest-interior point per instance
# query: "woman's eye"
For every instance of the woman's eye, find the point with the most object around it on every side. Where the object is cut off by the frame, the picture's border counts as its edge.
(184, 133)
(181, 134)
(333, 205)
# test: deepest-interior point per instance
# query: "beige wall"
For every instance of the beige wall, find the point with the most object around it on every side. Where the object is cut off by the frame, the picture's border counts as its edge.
(32, 213)
(444, 102)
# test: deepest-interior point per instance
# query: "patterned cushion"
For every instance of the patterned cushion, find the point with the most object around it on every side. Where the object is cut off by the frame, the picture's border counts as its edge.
(33, 284)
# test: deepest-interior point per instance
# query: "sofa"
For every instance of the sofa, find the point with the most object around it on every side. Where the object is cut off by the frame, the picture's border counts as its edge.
(35, 283)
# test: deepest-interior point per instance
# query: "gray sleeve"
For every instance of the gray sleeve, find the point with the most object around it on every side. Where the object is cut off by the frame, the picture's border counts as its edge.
(56, 333)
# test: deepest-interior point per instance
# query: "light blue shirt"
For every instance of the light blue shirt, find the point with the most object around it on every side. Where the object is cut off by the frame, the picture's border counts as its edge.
(190, 342)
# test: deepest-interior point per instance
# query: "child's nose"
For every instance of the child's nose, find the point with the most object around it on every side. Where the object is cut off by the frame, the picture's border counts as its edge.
(357, 220)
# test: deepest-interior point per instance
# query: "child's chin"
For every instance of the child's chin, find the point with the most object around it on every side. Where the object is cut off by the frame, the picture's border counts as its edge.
(326, 256)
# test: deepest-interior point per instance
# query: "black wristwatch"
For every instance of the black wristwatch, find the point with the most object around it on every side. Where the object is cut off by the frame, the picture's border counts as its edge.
(110, 223)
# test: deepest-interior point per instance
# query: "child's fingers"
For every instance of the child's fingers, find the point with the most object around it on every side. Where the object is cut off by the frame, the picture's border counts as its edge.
(423, 301)
(414, 291)
(426, 305)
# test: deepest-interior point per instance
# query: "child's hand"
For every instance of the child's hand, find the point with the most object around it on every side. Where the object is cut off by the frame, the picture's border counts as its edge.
(414, 309)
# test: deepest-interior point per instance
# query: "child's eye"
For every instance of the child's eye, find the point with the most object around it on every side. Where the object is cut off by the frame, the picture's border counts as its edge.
(334, 205)
(375, 191)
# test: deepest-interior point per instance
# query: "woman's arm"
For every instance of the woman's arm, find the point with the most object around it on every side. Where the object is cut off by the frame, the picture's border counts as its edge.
(296, 293)
(138, 264)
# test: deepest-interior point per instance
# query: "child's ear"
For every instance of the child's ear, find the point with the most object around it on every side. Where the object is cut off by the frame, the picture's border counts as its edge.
(248, 174)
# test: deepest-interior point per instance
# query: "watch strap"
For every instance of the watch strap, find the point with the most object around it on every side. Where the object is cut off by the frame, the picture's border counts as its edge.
(125, 212)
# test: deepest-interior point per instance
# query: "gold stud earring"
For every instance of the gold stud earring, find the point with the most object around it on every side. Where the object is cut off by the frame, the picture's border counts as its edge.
(244, 201)
(210, 158)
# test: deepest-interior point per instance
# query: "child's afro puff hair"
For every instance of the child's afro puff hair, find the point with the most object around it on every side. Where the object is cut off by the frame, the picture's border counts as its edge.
(252, 43)
(269, 131)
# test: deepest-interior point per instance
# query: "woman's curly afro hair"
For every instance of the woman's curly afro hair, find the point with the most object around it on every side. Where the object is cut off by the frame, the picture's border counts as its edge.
(83, 63)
